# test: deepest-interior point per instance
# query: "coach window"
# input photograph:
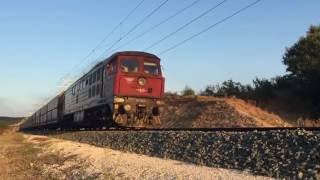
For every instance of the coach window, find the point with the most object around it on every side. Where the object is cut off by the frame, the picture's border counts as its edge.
(150, 68)
(129, 65)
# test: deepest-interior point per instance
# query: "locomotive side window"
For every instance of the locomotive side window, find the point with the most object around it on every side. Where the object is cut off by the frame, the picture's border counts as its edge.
(78, 86)
(83, 84)
(98, 89)
(94, 77)
(111, 67)
(129, 65)
(90, 79)
(98, 75)
(93, 91)
(150, 68)
(73, 90)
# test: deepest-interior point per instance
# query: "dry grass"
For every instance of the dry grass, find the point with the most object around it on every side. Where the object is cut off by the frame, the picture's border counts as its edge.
(20, 159)
(3, 127)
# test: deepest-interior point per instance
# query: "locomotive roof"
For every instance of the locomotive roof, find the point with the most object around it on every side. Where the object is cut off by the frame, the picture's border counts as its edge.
(126, 53)
(133, 53)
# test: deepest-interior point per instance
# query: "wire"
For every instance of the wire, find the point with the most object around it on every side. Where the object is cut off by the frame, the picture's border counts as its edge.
(210, 27)
(187, 24)
(102, 41)
(111, 32)
(157, 25)
(135, 27)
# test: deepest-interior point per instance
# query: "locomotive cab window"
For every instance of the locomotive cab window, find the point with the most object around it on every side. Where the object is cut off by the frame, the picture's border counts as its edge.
(151, 68)
(129, 65)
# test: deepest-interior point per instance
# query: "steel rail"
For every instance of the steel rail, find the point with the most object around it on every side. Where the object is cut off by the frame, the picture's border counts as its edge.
(227, 129)
(224, 129)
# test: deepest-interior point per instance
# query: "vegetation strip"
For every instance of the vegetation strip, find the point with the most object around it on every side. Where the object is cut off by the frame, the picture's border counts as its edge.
(275, 153)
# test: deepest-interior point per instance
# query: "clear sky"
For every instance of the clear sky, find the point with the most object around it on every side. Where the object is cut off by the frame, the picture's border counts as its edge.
(41, 41)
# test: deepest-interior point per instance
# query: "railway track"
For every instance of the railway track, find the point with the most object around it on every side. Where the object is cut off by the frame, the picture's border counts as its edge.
(224, 129)
(231, 129)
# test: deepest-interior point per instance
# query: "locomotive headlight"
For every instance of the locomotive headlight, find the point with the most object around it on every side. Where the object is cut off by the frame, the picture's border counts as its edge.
(159, 102)
(142, 81)
(127, 107)
(118, 100)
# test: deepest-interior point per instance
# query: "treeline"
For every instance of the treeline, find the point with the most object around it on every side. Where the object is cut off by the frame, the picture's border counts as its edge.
(297, 92)
(280, 94)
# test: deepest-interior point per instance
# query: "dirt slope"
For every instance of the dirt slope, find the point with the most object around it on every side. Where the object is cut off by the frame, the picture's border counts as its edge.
(206, 112)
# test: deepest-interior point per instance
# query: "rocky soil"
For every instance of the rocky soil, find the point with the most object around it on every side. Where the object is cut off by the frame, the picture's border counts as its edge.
(106, 163)
(207, 112)
(279, 154)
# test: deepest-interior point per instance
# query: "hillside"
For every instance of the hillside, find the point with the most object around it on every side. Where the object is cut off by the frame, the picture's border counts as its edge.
(10, 120)
(208, 112)
(6, 121)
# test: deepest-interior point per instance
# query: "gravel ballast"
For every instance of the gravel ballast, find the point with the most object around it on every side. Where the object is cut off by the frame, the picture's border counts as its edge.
(277, 153)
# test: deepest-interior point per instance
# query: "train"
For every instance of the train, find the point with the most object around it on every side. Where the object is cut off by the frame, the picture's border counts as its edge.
(124, 90)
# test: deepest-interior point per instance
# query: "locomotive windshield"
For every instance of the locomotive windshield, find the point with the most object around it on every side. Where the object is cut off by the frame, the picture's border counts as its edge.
(146, 66)
(150, 68)
(129, 65)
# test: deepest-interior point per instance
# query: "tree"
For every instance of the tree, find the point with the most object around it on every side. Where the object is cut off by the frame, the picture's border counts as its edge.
(303, 58)
(210, 90)
(303, 64)
(230, 88)
(187, 91)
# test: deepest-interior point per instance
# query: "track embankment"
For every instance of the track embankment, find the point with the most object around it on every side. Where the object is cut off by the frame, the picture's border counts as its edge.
(275, 153)
(208, 112)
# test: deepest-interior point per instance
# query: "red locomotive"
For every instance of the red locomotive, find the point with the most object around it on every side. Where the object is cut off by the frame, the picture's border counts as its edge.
(125, 90)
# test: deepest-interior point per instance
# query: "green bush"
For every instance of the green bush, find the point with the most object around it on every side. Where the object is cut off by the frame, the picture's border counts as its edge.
(187, 91)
